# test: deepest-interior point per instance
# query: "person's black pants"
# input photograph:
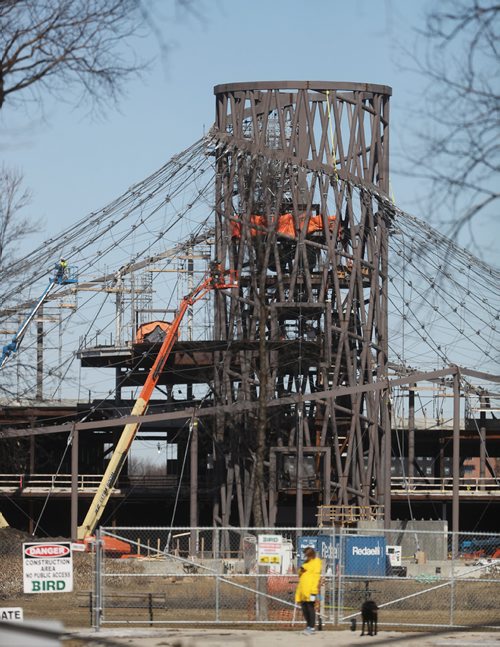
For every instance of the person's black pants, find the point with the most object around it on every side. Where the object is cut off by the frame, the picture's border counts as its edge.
(309, 613)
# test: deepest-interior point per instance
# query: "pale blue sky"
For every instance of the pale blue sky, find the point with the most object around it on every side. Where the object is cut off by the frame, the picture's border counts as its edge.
(75, 164)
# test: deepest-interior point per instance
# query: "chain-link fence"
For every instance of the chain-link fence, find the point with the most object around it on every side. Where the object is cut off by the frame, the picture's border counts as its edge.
(72, 608)
(237, 576)
(426, 578)
(244, 576)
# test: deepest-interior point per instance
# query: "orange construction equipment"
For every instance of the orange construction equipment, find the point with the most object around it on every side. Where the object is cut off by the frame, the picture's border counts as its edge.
(214, 281)
(112, 546)
(285, 225)
(258, 226)
(153, 331)
(316, 223)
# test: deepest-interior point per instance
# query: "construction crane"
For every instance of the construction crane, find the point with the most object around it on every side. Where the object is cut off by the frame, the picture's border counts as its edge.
(63, 276)
(214, 281)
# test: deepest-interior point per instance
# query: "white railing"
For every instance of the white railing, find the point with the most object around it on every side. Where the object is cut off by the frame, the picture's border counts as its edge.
(399, 484)
(47, 481)
(86, 482)
(444, 485)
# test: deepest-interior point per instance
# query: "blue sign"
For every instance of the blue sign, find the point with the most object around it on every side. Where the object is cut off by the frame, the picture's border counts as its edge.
(325, 546)
(364, 555)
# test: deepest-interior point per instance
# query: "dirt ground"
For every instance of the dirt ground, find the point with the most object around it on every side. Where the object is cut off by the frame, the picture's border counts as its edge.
(260, 638)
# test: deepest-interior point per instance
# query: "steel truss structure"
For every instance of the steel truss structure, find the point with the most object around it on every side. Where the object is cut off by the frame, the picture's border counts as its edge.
(310, 310)
(283, 408)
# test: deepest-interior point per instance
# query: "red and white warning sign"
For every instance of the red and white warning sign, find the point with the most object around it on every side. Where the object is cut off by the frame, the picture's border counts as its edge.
(47, 567)
(269, 549)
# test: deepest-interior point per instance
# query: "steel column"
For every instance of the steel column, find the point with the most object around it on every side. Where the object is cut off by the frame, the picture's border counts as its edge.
(193, 489)
(456, 454)
(74, 484)
(411, 432)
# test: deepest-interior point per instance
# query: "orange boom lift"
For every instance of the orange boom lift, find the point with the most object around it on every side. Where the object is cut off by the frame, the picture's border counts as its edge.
(214, 281)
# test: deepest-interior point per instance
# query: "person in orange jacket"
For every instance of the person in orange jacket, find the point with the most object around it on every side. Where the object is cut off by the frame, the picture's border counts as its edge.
(308, 587)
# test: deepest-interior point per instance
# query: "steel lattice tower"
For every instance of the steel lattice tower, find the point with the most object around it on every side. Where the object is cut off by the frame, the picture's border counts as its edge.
(299, 165)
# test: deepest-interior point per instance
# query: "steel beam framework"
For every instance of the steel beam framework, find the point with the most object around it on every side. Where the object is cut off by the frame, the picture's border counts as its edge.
(310, 254)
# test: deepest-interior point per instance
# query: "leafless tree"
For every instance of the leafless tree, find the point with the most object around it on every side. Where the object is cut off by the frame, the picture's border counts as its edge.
(63, 47)
(14, 226)
(146, 466)
(459, 147)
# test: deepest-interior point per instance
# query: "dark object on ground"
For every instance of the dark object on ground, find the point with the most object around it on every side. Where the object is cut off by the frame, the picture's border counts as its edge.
(369, 615)
(189, 568)
(353, 624)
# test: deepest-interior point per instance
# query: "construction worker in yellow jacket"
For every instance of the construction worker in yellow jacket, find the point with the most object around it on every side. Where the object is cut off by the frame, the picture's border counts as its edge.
(308, 587)
(61, 269)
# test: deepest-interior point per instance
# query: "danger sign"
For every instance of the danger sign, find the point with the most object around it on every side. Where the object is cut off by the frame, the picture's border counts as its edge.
(47, 567)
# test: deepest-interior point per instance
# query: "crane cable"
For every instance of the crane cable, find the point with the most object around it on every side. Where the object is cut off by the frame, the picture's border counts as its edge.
(54, 477)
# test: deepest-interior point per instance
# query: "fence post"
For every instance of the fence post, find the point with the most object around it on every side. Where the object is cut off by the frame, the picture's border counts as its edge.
(339, 571)
(262, 600)
(215, 543)
(97, 611)
(454, 554)
(330, 577)
(217, 601)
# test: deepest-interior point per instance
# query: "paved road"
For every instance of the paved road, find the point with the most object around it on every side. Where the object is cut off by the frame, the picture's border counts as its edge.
(254, 638)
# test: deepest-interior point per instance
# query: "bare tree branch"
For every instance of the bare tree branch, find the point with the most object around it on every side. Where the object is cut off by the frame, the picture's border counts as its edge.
(13, 226)
(65, 46)
(459, 146)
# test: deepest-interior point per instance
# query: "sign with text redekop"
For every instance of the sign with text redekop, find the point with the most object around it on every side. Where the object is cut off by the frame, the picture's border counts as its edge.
(47, 567)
